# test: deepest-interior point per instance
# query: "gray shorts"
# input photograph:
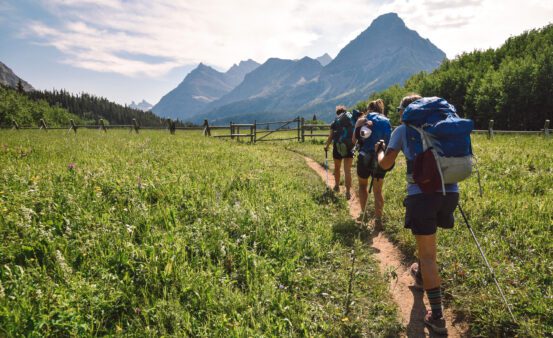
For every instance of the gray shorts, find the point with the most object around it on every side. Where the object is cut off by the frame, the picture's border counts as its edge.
(424, 213)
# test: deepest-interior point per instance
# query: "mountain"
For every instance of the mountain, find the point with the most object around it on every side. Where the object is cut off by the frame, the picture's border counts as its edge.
(8, 78)
(144, 105)
(200, 87)
(324, 59)
(386, 53)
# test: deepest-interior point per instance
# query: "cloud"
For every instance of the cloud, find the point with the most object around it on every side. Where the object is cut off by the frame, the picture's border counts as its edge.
(151, 38)
(97, 34)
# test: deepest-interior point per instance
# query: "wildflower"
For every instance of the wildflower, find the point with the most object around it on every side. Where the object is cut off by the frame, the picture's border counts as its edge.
(63, 264)
(71, 166)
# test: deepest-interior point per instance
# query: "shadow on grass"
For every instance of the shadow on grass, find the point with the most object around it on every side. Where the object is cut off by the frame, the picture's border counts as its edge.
(347, 231)
(328, 197)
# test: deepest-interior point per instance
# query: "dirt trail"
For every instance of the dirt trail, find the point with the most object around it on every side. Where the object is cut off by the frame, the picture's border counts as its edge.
(411, 301)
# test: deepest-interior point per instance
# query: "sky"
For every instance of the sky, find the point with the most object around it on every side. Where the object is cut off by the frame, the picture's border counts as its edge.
(129, 50)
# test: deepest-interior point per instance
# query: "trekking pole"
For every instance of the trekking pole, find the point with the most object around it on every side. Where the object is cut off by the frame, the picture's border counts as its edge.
(487, 263)
(478, 175)
(326, 167)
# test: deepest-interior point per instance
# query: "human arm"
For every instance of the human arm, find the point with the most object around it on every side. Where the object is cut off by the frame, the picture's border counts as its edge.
(386, 159)
(328, 139)
(387, 154)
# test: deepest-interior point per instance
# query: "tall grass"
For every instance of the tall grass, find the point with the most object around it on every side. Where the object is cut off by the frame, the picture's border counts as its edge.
(154, 234)
(514, 223)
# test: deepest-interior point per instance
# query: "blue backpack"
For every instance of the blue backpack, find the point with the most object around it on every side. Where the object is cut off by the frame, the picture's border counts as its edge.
(381, 130)
(343, 127)
(440, 141)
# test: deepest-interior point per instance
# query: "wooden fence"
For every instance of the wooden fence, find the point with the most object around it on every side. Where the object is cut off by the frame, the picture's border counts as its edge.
(250, 132)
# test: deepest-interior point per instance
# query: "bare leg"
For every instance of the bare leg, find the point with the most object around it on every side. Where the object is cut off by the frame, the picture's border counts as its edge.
(337, 165)
(426, 247)
(363, 195)
(347, 172)
(378, 197)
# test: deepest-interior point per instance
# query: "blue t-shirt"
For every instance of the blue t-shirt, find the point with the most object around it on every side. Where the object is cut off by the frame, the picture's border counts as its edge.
(398, 141)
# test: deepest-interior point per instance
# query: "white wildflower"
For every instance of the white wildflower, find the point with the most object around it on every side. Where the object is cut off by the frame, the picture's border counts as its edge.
(63, 264)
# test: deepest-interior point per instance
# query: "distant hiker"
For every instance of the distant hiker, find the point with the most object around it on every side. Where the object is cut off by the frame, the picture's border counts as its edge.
(430, 203)
(369, 129)
(341, 131)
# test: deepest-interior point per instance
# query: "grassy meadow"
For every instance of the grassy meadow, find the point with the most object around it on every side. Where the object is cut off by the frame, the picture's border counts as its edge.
(513, 222)
(177, 235)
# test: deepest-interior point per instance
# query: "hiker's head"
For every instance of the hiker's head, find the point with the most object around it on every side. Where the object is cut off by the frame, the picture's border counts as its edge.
(376, 106)
(407, 100)
(340, 110)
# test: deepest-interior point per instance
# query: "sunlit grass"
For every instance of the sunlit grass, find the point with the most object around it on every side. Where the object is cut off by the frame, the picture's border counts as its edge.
(514, 223)
(157, 234)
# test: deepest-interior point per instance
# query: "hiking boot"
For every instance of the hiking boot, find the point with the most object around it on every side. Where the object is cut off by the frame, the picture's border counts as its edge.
(336, 188)
(436, 324)
(417, 275)
(348, 195)
(378, 225)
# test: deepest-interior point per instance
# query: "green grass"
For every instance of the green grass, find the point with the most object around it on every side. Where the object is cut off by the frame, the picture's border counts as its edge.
(513, 222)
(154, 234)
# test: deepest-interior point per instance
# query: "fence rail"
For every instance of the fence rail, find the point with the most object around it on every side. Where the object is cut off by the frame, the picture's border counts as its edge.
(254, 135)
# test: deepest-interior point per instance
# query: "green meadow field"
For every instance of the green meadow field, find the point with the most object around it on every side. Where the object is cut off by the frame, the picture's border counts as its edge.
(513, 221)
(160, 234)
(177, 235)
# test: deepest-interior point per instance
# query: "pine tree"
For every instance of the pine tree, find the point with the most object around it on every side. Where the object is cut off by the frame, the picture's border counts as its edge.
(20, 88)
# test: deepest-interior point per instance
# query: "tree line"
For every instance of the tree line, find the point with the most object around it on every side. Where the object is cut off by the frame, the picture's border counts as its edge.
(92, 108)
(513, 84)
(16, 106)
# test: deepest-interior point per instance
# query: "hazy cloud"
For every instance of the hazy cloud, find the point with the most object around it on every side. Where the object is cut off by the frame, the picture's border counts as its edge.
(150, 38)
(94, 34)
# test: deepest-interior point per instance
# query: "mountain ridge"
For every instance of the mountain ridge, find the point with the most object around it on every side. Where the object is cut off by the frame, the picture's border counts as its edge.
(10, 79)
(385, 53)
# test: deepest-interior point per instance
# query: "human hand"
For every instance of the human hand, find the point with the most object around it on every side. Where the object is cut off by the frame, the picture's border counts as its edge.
(379, 146)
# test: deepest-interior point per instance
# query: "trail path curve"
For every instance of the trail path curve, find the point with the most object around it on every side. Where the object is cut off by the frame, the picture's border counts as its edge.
(411, 301)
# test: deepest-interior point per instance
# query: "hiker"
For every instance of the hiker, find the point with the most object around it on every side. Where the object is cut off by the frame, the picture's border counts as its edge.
(369, 129)
(341, 131)
(426, 206)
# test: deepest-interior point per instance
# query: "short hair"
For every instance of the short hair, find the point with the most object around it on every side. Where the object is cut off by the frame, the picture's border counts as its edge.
(408, 99)
(340, 109)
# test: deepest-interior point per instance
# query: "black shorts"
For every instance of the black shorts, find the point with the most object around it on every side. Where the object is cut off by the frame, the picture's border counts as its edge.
(424, 213)
(366, 167)
(336, 154)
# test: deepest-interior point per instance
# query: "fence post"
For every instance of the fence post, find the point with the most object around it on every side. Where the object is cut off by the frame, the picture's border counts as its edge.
(43, 125)
(73, 126)
(15, 125)
(207, 130)
(299, 126)
(231, 131)
(302, 129)
(490, 129)
(546, 128)
(136, 126)
(254, 131)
